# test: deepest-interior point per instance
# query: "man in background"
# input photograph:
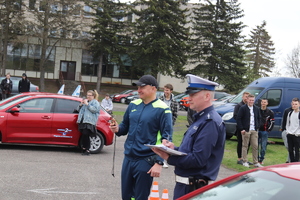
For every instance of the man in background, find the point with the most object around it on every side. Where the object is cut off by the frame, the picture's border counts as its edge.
(24, 84)
(238, 133)
(107, 104)
(266, 126)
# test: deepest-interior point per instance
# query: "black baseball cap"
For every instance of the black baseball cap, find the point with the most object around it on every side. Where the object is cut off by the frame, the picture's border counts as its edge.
(146, 80)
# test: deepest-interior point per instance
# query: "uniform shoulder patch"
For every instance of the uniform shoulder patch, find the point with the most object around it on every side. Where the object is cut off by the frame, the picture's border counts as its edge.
(160, 104)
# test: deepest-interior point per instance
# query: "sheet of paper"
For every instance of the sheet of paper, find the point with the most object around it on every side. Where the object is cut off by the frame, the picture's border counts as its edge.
(166, 149)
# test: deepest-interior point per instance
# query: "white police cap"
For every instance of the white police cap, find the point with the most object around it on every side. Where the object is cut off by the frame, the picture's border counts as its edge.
(196, 84)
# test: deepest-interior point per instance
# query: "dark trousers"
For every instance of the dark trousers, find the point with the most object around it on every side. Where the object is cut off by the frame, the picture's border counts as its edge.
(5, 95)
(135, 181)
(293, 145)
(86, 143)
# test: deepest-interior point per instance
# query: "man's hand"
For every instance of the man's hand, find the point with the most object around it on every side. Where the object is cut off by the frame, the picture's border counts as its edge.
(155, 170)
(114, 126)
(243, 132)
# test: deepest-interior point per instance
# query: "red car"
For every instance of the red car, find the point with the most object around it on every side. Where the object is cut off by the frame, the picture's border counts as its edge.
(121, 97)
(47, 118)
(274, 182)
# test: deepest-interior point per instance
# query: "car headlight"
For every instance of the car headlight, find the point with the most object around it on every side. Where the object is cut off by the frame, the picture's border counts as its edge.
(227, 116)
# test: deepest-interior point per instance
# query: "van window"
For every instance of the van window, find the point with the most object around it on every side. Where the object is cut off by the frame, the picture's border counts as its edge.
(252, 90)
(273, 96)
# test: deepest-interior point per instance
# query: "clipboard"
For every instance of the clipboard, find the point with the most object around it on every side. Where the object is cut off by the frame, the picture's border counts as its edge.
(166, 149)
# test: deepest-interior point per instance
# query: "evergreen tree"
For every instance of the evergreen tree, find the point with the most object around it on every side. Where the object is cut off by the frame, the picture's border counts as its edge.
(260, 51)
(218, 44)
(110, 36)
(160, 37)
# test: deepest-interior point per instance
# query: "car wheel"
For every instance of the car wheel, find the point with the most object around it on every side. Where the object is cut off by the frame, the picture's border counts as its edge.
(97, 143)
(122, 100)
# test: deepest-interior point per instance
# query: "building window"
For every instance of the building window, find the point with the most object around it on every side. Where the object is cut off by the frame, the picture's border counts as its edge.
(89, 65)
(32, 4)
(54, 8)
(27, 58)
(43, 5)
(87, 11)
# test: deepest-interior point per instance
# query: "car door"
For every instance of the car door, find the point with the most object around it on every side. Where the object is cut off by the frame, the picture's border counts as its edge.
(32, 124)
(64, 128)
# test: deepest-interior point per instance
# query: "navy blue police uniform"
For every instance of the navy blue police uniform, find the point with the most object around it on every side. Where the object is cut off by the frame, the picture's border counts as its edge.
(204, 143)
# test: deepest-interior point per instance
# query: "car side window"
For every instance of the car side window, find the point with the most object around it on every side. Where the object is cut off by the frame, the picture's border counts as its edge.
(65, 106)
(273, 96)
(42, 105)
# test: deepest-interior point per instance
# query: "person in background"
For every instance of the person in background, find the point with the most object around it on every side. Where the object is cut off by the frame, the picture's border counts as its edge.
(283, 128)
(89, 110)
(147, 120)
(168, 98)
(248, 123)
(293, 131)
(24, 84)
(238, 133)
(107, 104)
(6, 86)
(204, 141)
(266, 126)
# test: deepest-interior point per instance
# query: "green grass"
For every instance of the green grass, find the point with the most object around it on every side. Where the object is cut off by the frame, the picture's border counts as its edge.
(276, 153)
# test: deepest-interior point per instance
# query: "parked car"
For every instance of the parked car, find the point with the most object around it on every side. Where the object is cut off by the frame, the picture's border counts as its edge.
(223, 101)
(47, 118)
(123, 92)
(15, 89)
(274, 182)
(178, 97)
(184, 102)
(121, 97)
(130, 98)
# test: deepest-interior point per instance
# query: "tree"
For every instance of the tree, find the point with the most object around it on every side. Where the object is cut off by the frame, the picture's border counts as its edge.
(218, 44)
(260, 51)
(293, 62)
(11, 24)
(52, 21)
(160, 37)
(109, 35)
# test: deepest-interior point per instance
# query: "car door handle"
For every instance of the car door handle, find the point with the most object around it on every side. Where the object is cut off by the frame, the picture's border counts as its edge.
(46, 117)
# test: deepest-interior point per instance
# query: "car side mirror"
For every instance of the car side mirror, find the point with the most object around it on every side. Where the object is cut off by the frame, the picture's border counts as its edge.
(15, 109)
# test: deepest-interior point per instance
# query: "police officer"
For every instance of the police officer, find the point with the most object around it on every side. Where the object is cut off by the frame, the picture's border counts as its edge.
(203, 142)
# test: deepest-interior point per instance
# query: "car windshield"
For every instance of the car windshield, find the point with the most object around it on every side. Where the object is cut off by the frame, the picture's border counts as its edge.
(252, 90)
(259, 185)
(12, 102)
(4, 101)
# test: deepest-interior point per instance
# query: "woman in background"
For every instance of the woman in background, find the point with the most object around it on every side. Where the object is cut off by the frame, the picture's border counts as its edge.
(89, 110)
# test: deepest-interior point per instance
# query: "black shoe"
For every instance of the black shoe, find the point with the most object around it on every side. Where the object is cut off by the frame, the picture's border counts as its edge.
(86, 153)
(250, 163)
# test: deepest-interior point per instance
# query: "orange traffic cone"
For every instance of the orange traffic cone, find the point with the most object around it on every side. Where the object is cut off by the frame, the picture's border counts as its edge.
(154, 195)
(165, 195)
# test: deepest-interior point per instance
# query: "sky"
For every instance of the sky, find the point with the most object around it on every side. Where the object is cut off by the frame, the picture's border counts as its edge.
(283, 24)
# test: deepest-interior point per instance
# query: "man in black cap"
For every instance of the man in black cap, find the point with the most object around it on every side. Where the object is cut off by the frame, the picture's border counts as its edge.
(203, 142)
(147, 120)
(24, 84)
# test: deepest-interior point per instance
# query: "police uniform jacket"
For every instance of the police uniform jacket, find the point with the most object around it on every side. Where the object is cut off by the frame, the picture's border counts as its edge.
(204, 144)
(145, 124)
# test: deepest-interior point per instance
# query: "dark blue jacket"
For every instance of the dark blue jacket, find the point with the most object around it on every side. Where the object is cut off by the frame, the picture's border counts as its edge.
(243, 118)
(145, 124)
(204, 144)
